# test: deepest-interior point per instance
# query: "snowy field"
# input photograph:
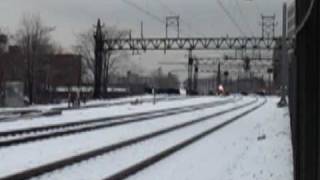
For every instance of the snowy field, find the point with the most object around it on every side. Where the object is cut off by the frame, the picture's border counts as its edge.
(235, 153)
(34, 111)
(255, 147)
(102, 112)
(87, 104)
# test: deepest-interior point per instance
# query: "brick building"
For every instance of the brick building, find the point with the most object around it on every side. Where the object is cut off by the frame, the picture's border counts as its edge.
(51, 72)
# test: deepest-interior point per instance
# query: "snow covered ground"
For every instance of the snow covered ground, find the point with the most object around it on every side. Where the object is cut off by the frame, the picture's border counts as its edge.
(89, 103)
(108, 164)
(34, 111)
(257, 146)
(235, 153)
(35, 154)
(99, 112)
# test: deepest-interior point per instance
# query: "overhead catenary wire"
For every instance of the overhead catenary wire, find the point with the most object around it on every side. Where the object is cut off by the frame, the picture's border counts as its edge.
(167, 7)
(232, 19)
(244, 17)
(256, 6)
(259, 12)
(144, 11)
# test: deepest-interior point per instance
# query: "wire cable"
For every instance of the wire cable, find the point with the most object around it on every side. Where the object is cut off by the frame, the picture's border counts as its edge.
(231, 17)
(244, 17)
(146, 12)
(257, 8)
(306, 18)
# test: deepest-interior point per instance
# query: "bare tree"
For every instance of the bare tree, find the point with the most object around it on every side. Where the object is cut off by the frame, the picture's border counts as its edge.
(112, 61)
(33, 37)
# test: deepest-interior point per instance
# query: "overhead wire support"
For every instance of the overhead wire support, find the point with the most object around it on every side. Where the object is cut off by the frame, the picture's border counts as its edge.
(173, 21)
(195, 43)
(173, 13)
(268, 26)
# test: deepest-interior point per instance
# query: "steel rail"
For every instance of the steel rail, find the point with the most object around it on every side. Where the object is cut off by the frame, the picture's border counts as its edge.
(105, 124)
(38, 171)
(166, 153)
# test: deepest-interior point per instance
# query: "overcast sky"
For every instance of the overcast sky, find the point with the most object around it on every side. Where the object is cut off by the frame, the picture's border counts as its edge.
(199, 17)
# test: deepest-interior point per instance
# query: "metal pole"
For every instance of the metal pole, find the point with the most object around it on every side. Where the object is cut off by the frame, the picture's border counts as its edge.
(167, 27)
(218, 78)
(154, 95)
(141, 29)
(283, 101)
(98, 59)
(190, 71)
(178, 24)
(195, 76)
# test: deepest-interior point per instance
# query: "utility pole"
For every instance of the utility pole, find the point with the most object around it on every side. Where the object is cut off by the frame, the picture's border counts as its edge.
(270, 71)
(226, 75)
(218, 83)
(99, 42)
(141, 29)
(238, 81)
(190, 70)
(284, 53)
(195, 76)
(129, 82)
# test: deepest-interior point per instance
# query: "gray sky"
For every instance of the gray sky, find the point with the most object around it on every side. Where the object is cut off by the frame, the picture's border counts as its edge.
(205, 17)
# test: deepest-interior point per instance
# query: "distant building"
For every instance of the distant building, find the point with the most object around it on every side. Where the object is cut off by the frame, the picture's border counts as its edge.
(12, 66)
(245, 83)
(206, 86)
(50, 73)
(64, 70)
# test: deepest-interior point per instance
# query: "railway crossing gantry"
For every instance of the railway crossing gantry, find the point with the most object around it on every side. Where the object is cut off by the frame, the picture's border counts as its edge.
(188, 44)
(191, 44)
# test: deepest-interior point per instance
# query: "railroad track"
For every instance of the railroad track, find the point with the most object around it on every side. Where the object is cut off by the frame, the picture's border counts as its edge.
(125, 173)
(12, 115)
(41, 170)
(27, 135)
(120, 103)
